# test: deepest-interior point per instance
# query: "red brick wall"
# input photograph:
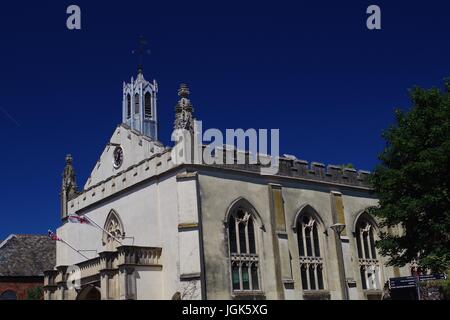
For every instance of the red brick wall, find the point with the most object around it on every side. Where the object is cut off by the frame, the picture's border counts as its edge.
(20, 288)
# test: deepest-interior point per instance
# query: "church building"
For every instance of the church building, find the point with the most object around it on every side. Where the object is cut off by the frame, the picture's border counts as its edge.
(147, 227)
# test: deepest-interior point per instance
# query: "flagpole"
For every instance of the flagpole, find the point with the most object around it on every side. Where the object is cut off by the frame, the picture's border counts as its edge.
(55, 237)
(93, 222)
(63, 241)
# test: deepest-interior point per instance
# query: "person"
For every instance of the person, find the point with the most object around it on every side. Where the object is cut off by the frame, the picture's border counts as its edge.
(386, 292)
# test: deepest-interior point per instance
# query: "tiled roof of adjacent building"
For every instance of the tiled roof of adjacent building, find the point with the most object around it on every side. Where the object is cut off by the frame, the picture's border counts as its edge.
(26, 255)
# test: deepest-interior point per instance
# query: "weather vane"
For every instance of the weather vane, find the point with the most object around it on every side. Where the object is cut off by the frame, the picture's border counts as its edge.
(141, 51)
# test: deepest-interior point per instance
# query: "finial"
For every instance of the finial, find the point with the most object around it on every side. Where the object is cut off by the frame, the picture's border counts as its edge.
(184, 110)
(69, 185)
(183, 92)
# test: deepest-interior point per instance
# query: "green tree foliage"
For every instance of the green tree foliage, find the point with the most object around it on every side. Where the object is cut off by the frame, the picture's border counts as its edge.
(347, 166)
(412, 182)
(445, 289)
(35, 293)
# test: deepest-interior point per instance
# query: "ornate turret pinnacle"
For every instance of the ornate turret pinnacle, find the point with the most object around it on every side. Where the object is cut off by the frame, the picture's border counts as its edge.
(139, 102)
(69, 185)
(184, 110)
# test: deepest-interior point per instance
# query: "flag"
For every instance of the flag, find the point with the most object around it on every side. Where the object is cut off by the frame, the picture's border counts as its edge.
(77, 219)
(53, 236)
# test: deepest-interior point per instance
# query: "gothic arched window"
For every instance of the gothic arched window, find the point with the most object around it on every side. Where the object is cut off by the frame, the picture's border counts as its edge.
(114, 231)
(136, 103)
(243, 250)
(369, 264)
(128, 106)
(148, 105)
(311, 261)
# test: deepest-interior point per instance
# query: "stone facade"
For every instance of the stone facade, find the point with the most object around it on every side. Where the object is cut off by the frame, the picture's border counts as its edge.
(162, 229)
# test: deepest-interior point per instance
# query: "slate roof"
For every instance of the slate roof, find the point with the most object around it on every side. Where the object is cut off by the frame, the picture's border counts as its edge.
(27, 255)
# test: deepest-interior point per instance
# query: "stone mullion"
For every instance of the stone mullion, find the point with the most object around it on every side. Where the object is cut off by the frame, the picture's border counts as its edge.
(363, 250)
(305, 253)
(378, 276)
(311, 239)
(247, 242)
(316, 277)
(308, 280)
(366, 276)
(369, 244)
(241, 284)
(238, 240)
(250, 278)
(374, 276)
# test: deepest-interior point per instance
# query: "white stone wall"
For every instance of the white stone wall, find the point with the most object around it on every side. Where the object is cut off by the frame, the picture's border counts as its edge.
(153, 205)
(139, 213)
(149, 284)
(150, 214)
(136, 148)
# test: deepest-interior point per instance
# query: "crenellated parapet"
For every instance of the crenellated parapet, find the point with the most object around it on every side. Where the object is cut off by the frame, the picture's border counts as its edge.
(318, 171)
(292, 167)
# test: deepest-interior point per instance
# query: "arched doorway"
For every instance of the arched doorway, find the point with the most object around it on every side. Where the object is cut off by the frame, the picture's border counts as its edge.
(89, 292)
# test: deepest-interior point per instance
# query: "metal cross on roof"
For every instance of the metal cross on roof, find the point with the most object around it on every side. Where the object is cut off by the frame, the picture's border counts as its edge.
(141, 51)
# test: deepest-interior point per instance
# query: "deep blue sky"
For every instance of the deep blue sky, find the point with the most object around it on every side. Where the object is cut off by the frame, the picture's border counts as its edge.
(310, 68)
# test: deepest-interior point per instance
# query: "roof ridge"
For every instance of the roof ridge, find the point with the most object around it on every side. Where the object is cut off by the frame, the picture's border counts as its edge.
(25, 255)
(12, 235)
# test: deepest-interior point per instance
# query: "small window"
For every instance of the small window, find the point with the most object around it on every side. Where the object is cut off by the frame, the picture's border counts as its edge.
(128, 106)
(148, 105)
(136, 103)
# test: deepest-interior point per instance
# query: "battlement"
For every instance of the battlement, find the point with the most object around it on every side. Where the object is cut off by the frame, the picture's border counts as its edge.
(318, 171)
(290, 166)
(160, 163)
